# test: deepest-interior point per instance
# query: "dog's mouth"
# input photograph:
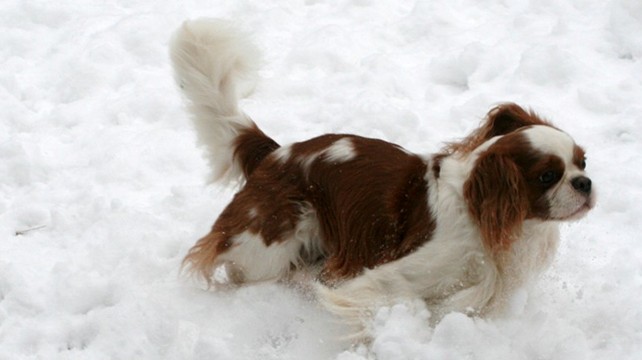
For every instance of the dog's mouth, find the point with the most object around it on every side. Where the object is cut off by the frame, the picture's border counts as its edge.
(581, 210)
(579, 213)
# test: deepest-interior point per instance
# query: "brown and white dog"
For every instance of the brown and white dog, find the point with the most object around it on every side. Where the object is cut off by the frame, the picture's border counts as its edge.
(460, 229)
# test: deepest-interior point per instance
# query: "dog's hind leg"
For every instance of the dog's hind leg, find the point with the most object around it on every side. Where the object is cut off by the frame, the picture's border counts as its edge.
(256, 243)
(245, 256)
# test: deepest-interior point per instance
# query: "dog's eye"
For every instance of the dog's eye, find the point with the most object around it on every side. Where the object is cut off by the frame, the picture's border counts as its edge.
(583, 164)
(548, 177)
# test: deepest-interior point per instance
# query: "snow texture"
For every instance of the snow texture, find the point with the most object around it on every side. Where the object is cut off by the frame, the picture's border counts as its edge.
(102, 187)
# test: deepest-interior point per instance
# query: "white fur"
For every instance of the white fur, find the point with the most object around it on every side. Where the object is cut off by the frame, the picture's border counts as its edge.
(215, 65)
(256, 262)
(341, 150)
(307, 160)
(282, 154)
(551, 141)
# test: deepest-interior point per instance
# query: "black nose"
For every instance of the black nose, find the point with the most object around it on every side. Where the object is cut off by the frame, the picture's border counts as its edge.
(582, 184)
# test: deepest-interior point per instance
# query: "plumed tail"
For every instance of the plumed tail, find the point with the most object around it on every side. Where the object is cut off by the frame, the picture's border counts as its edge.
(215, 65)
(355, 309)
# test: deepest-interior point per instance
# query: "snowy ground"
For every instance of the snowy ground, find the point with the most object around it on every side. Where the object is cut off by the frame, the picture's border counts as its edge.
(102, 187)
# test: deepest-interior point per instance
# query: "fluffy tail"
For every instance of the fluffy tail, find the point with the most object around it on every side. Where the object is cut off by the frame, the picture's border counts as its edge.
(215, 65)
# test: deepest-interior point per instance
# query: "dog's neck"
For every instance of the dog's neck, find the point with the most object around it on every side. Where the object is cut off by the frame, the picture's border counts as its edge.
(531, 253)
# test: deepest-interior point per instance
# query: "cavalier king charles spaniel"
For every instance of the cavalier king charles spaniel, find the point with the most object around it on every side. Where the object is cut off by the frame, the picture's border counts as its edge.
(461, 229)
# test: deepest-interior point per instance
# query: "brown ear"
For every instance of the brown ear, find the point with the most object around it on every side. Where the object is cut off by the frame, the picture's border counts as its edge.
(500, 120)
(496, 196)
(507, 118)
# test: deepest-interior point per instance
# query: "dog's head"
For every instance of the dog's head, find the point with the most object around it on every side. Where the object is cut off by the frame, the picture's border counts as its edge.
(524, 168)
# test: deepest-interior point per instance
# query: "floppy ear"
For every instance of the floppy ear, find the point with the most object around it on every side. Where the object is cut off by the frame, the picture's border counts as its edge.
(507, 118)
(496, 197)
(500, 120)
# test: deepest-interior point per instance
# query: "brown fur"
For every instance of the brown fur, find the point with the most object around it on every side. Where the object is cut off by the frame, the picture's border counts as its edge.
(501, 120)
(495, 193)
(372, 209)
(579, 157)
(251, 147)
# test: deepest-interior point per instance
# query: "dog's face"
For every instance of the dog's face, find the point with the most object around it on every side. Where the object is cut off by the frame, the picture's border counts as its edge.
(528, 170)
(556, 178)
(545, 170)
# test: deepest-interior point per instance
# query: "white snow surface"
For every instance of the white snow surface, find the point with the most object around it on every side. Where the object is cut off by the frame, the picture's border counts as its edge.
(102, 187)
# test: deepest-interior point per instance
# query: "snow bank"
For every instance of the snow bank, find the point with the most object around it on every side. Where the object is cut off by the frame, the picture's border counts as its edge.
(102, 189)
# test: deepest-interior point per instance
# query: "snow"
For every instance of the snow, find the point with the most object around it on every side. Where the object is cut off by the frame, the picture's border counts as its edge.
(102, 189)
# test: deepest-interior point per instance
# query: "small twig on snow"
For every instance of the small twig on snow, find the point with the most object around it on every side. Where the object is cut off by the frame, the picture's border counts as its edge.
(22, 232)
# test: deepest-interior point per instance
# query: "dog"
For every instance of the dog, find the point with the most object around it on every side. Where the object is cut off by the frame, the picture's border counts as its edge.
(461, 229)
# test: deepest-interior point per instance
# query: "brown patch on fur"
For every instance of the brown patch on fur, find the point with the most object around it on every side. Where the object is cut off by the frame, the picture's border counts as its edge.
(251, 146)
(500, 120)
(495, 200)
(495, 192)
(579, 157)
(372, 209)
(536, 165)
